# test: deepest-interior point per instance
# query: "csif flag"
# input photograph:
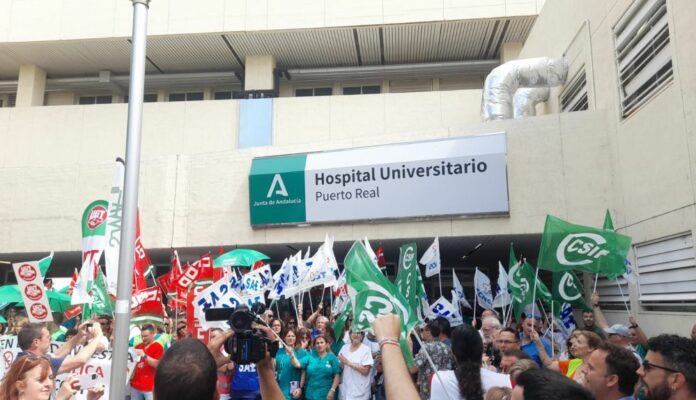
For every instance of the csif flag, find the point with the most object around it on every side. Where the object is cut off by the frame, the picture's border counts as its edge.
(408, 279)
(372, 295)
(568, 289)
(566, 246)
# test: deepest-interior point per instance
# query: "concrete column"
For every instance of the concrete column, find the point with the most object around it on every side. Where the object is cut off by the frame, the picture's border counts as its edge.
(31, 86)
(258, 72)
(510, 51)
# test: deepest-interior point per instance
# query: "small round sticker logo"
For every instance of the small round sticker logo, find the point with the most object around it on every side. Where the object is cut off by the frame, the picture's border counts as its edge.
(38, 311)
(27, 272)
(96, 217)
(33, 292)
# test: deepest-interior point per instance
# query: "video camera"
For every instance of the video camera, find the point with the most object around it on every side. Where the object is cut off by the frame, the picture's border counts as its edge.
(247, 345)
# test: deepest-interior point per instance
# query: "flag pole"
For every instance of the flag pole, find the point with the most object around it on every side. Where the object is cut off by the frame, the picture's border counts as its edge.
(536, 278)
(432, 364)
(622, 296)
(594, 289)
(130, 202)
(553, 336)
(439, 279)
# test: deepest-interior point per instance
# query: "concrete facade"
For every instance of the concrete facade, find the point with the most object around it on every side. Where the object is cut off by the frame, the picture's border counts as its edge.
(194, 178)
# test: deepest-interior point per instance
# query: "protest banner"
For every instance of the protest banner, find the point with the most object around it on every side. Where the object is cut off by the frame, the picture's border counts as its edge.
(33, 292)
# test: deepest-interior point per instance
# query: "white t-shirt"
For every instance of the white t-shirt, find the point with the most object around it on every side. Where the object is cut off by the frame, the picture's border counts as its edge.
(489, 379)
(354, 385)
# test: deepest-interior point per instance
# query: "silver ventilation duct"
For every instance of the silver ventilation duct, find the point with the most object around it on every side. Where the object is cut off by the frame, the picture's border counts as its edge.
(526, 99)
(502, 83)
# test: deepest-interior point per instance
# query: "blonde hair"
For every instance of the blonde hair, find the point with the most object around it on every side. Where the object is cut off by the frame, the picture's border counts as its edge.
(520, 366)
(498, 393)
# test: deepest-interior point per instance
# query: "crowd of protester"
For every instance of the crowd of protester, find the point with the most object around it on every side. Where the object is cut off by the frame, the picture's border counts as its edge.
(317, 359)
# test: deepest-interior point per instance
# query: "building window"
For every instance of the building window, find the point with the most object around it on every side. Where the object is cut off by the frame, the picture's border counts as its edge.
(225, 95)
(95, 100)
(188, 96)
(147, 98)
(643, 53)
(11, 99)
(367, 89)
(574, 95)
(321, 91)
(667, 269)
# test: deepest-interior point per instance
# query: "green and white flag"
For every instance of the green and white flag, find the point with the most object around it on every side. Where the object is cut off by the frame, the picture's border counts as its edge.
(522, 277)
(45, 264)
(568, 289)
(372, 295)
(93, 243)
(101, 302)
(408, 279)
(566, 247)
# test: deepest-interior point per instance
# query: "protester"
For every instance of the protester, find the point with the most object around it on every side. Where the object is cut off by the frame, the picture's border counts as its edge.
(288, 369)
(610, 372)
(34, 339)
(543, 384)
(489, 326)
(304, 338)
(30, 378)
(582, 344)
(277, 326)
(520, 366)
(224, 372)
(356, 360)
(637, 338)
(588, 320)
(439, 354)
(187, 371)
(618, 334)
(509, 357)
(527, 343)
(149, 353)
(498, 393)
(469, 380)
(445, 330)
(668, 371)
(323, 371)
(267, 316)
(397, 379)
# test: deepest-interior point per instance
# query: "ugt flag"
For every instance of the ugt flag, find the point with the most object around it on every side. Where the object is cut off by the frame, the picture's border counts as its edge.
(566, 246)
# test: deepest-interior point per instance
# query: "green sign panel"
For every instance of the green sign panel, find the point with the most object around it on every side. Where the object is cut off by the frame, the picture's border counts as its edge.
(277, 190)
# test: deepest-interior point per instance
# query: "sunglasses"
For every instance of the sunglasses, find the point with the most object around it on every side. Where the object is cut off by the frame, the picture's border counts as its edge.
(647, 366)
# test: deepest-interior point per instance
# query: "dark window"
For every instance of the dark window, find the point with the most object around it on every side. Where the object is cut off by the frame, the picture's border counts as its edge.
(104, 99)
(223, 95)
(147, 98)
(304, 92)
(86, 100)
(351, 90)
(325, 91)
(190, 96)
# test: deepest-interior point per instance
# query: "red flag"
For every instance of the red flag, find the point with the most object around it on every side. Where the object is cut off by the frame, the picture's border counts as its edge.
(73, 311)
(177, 299)
(73, 282)
(164, 284)
(380, 256)
(205, 270)
(146, 306)
(221, 251)
(142, 264)
(192, 323)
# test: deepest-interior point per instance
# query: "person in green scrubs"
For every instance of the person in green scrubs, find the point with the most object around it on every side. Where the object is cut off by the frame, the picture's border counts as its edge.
(323, 371)
(288, 370)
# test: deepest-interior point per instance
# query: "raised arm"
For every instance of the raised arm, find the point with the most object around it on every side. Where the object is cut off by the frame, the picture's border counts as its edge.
(397, 380)
(600, 319)
(80, 359)
(548, 361)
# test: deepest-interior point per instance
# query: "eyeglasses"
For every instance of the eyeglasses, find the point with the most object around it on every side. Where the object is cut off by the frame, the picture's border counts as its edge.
(647, 366)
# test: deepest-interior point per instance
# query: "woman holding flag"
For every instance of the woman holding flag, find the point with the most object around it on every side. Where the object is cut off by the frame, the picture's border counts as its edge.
(582, 344)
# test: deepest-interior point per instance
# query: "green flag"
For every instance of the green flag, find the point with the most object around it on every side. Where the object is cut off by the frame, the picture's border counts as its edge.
(565, 247)
(521, 276)
(340, 325)
(568, 289)
(608, 223)
(45, 263)
(408, 279)
(101, 302)
(372, 294)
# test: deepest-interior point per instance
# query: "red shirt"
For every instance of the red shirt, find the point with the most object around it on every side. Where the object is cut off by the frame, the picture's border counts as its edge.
(144, 375)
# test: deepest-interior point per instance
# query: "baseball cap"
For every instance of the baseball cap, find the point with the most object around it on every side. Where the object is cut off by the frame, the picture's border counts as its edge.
(618, 329)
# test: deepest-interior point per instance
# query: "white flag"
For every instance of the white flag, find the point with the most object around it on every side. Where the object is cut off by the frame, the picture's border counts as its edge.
(502, 299)
(445, 309)
(323, 265)
(297, 268)
(280, 281)
(458, 291)
(371, 253)
(82, 292)
(114, 221)
(431, 259)
(482, 286)
(631, 274)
